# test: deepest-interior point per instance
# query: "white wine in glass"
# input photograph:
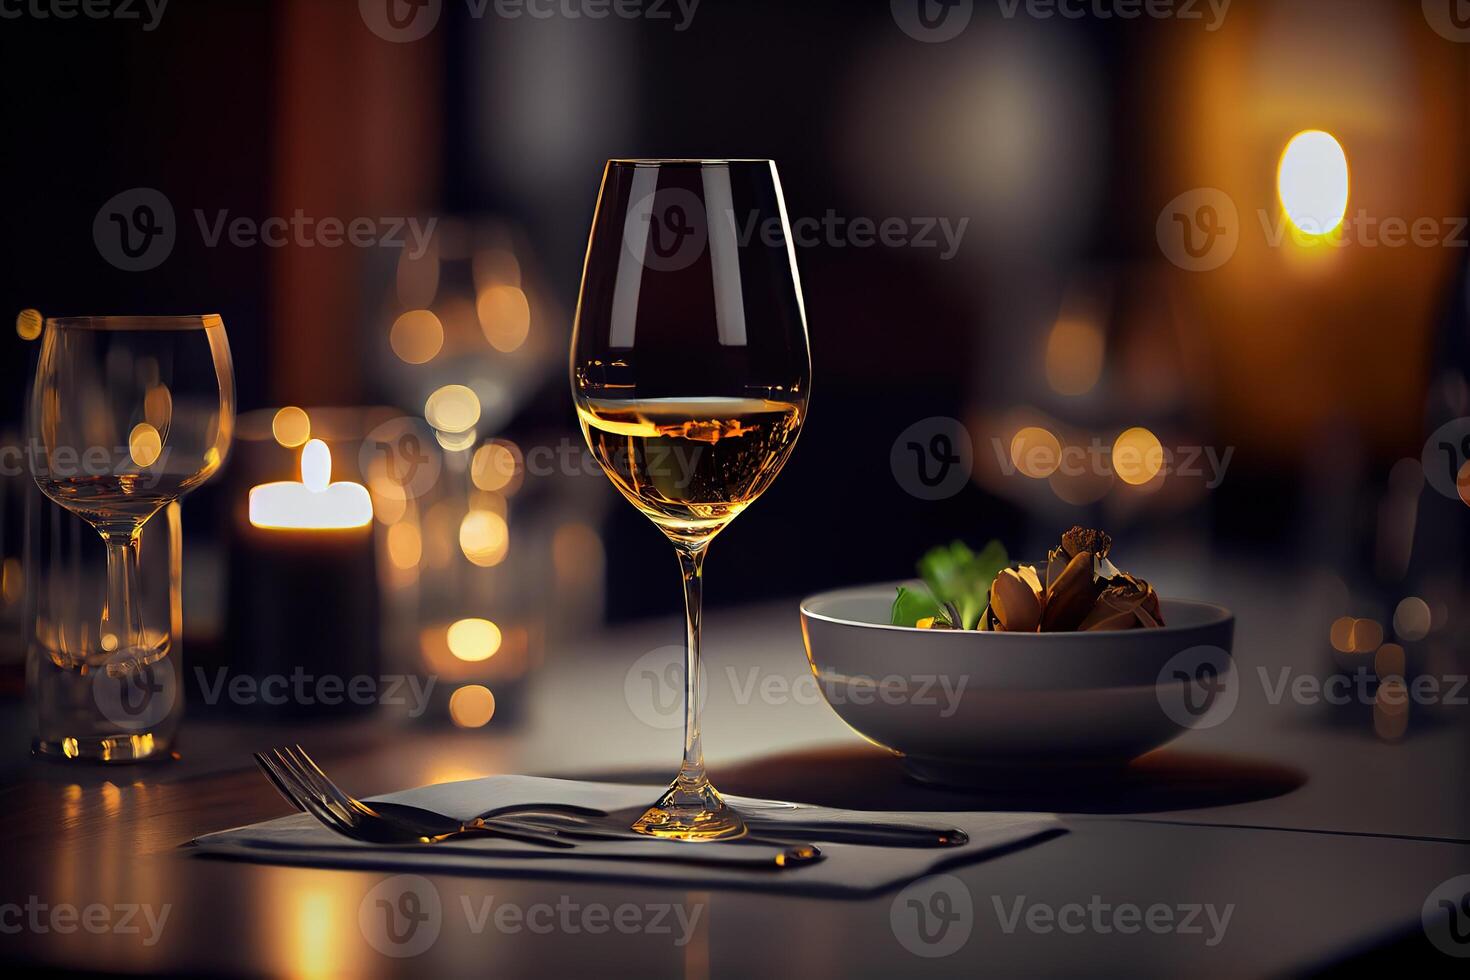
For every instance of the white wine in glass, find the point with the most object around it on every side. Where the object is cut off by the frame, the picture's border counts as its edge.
(691, 376)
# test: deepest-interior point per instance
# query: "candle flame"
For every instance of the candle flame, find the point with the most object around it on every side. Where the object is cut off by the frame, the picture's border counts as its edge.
(316, 466)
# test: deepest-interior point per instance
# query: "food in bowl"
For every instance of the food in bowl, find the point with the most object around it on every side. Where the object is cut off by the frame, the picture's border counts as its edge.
(1083, 590)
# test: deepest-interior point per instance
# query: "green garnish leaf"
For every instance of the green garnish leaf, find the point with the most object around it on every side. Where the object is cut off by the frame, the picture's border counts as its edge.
(911, 605)
(958, 576)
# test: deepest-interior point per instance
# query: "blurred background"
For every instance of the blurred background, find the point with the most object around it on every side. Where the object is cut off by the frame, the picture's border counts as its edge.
(1101, 234)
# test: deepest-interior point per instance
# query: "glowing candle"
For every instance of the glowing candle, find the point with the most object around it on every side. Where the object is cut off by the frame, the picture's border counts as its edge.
(315, 503)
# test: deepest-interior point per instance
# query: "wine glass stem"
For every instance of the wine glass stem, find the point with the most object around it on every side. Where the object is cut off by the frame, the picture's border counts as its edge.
(691, 565)
(122, 619)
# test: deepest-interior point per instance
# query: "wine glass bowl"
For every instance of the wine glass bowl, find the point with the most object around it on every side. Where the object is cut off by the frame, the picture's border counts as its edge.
(126, 415)
(691, 375)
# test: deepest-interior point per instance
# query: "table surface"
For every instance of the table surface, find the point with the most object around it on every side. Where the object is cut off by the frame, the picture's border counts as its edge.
(1320, 841)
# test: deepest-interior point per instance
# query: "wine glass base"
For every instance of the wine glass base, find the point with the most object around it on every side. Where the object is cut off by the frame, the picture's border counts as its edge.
(145, 746)
(691, 811)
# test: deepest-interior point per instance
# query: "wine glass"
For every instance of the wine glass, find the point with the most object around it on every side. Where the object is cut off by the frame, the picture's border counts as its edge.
(127, 414)
(691, 374)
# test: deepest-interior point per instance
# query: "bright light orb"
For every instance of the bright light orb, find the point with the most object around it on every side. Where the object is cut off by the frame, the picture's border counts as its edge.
(1312, 182)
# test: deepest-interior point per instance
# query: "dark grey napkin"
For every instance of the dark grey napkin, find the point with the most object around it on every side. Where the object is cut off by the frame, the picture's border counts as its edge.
(849, 870)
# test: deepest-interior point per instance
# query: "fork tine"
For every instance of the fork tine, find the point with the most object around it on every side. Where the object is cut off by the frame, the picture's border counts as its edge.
(323, 781)
(307, 786)
(275, 780)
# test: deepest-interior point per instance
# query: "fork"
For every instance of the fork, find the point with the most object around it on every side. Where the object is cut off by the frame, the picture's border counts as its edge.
(303, 784)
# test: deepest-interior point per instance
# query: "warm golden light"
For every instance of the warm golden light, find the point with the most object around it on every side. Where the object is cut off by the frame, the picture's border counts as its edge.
(145, 445)
(494, 466)
(405, 546)
(28, 324)
(1138, 456)
(291, 426)
(452, 409)
(417, 336)
(484, 537)
(1074, 356)
(1367, 636)
(12, 581)
(315, 503)
(1036, 452)
(455, 442)
(1462, 482)
(505, 316)
(1341, 634)
(1389, 661)
(472, 706)
(473, 640)
(1312, 182)
(158, 407)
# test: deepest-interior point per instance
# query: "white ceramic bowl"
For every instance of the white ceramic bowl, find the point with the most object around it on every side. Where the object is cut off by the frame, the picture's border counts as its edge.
(962, 707)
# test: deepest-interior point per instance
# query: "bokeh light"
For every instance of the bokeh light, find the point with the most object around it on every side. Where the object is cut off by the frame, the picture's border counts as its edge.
(416, 336)
(472, 706)
(1138, 456)
(28, 324)
(1036, 452)
(1312, 182)
(1074, 356)
(495, 465)
(1411, 619)
(505, 316)
(405, 545)
(291, 426)
(145, 445)
(473, 640)
(453, 409)
(484, 537)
